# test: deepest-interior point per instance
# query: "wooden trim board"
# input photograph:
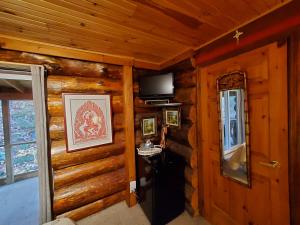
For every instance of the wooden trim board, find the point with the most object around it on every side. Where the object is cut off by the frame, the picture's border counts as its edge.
(11, 43)
(129, 132)
(262, 31)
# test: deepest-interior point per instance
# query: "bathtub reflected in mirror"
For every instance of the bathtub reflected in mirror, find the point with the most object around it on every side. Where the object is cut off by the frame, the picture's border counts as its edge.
(234, 128)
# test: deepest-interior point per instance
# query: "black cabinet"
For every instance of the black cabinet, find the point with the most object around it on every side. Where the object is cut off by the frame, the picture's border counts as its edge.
(160, 186)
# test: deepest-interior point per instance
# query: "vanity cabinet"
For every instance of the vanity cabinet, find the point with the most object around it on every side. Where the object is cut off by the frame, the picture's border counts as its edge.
(160, 186)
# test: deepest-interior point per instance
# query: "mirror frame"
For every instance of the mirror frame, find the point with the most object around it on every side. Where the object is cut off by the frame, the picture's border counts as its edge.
(226, 82)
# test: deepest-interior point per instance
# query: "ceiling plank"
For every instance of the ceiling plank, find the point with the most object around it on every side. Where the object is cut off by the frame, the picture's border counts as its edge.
(150, 32)
(274, 8)
(276, 25)
(111, 27)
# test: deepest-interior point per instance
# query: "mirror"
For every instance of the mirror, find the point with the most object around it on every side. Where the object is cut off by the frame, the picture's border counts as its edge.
(234, 128)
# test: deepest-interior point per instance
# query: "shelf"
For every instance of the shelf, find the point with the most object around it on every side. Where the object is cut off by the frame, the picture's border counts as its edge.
(174, 104)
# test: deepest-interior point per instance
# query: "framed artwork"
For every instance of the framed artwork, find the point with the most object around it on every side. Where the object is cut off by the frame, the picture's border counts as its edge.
(149, 126)
(172, 117)
(87, 120)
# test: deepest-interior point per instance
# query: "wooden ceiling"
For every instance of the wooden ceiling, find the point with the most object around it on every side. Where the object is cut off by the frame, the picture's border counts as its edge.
(149, 31)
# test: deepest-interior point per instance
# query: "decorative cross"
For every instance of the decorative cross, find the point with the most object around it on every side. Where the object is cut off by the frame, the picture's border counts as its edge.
(237, 36)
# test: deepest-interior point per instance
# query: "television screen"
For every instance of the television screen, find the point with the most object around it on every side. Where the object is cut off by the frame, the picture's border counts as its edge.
(156, 86)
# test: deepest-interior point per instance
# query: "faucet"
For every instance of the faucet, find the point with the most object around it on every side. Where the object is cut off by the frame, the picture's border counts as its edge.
(164, 131)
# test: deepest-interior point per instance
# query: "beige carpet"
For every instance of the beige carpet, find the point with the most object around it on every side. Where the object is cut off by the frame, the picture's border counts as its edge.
(120, 214)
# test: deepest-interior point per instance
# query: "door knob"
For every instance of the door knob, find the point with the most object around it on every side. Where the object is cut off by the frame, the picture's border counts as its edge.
(271, 164)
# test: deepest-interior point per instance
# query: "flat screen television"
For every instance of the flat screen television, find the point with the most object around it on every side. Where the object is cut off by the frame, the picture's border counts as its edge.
(156, 86)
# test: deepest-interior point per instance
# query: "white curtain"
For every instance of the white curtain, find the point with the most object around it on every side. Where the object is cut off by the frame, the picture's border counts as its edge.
(38, 91)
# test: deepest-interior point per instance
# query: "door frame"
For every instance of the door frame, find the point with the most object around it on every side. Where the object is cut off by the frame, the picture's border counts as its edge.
(38, 75)
(294, 124)
(281, 40)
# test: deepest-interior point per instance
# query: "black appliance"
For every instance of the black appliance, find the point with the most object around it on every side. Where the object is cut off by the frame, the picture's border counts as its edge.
(156, 86)
(160, 186)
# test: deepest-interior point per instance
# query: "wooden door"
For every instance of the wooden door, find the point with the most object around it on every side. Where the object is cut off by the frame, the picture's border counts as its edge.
(266, 202)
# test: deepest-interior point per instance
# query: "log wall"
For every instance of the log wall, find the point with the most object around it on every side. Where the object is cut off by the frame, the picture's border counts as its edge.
(182, 141)
(140, 111)
(89, 180)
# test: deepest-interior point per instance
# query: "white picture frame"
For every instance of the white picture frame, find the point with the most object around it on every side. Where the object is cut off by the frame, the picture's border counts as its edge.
(87, 120)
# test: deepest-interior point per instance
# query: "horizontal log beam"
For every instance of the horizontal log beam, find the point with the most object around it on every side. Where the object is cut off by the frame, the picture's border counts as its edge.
(55, 105)
(186, 135)
(186, 96)
(185, 79)
(57, 129)
(94, 207)
(60, 84)
(191, 196)
(61, 159)
(67, 67)
(88, 191)
(188, 153)
(191, 176)
(193, 212)
(188, 113)
(78, 173)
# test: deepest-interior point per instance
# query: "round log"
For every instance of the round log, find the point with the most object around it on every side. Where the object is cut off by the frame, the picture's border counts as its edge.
(70, 175)
(188, 113)
(56, 126)
(186, 95)
(88, 191)
(94, 207)
(185, 135)
(55, 105)
(67, 67)
(189, 155)
(191, 176)
(193, 212)
(191, 196)
(63, 66)
(60, 84)
(185, 80)
(61, 159)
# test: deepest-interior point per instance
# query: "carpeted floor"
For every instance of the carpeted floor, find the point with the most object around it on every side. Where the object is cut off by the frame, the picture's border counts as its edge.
(19, 203)
(120, 214)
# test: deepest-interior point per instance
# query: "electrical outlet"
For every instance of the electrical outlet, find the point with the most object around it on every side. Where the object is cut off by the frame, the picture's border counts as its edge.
(132, 186)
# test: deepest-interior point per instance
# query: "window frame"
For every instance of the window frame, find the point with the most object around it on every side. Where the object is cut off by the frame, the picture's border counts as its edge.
(10, 177)
(226, 118)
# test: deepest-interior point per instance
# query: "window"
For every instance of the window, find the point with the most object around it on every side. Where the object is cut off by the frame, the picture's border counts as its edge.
(18, 151)
(232, 119)
(2, 150)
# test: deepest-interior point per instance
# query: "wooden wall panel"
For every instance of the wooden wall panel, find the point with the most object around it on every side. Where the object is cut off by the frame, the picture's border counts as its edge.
(89, 180)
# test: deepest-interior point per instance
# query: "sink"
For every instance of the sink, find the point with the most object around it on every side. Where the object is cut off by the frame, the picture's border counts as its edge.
(150, 151)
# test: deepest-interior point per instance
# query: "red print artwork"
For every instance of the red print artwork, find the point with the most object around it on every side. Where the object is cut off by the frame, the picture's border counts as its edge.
(90, 123)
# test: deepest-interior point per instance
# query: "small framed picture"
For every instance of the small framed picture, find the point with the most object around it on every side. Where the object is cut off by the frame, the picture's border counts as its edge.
(87, 120)
(172, 117)
(149, 126)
